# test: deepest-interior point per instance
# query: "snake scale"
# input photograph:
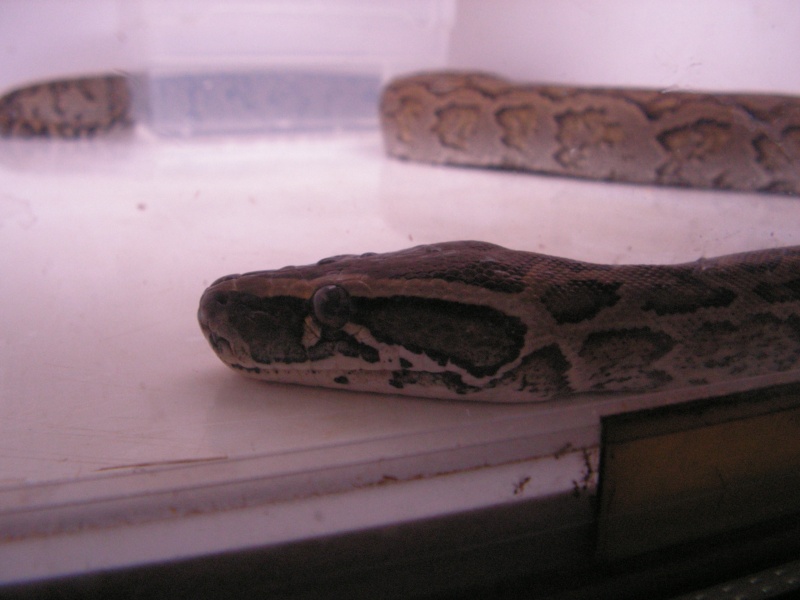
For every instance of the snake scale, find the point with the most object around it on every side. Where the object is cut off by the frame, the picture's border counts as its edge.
(472, 320)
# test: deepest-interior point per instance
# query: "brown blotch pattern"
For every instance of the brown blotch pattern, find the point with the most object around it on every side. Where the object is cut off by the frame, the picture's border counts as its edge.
(456, 125)
(763, 343)
(579, 300)
(622, 359)
(272, 328)
(686, 296)
(519, 125)
(582, 134)
(786, 291)
(478, 339)
(543, 372)
(68, 108)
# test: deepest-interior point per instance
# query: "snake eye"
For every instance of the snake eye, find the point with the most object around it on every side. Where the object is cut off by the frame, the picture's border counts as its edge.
(331, 305)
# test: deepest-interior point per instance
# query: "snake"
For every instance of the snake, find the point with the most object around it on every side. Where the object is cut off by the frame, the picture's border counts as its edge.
(472, 320)
(737, 142)
(67, 108)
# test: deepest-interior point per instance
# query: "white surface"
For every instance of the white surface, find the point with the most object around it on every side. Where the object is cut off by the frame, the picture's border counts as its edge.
(735, 45)
(109, 394)
(308, 516)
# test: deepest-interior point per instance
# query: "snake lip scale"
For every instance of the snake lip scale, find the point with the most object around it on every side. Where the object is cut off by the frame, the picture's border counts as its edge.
(475, 321)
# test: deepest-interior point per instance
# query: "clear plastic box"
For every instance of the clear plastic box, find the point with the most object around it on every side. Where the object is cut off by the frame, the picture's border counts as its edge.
(124, 441)
(199, 68)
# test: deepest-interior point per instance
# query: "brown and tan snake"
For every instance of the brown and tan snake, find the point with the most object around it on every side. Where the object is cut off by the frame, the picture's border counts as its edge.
(746, 142)
(476, 321)
(67, 108)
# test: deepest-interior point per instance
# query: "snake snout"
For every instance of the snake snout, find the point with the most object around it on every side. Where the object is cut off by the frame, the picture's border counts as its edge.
(212, 303)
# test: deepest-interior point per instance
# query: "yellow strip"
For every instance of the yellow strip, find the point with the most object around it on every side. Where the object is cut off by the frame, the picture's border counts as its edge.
(684, 472)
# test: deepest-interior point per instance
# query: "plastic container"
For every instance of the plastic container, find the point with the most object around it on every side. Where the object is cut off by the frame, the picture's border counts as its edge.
(124, 441)
(199, 68)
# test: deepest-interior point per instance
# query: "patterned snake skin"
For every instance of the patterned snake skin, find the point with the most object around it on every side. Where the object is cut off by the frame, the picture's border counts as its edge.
(472, 320)
(744, 142)
(67, 108)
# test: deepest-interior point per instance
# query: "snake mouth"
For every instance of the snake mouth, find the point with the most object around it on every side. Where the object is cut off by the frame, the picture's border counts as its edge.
(380, 380)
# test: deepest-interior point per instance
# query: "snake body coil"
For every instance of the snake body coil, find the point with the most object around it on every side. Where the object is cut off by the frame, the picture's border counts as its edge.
(472, 320)
(67, 108)
(746, 142)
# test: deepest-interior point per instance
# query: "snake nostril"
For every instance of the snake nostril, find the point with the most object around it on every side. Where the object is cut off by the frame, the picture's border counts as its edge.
(221, 298)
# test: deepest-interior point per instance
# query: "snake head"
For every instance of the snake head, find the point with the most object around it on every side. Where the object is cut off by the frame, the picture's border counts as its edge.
(382, 319)
(272, 325)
